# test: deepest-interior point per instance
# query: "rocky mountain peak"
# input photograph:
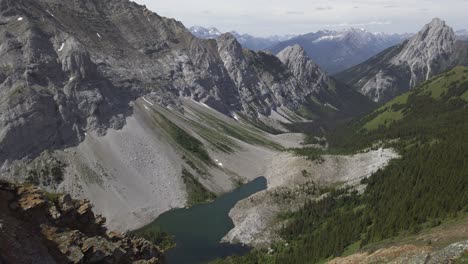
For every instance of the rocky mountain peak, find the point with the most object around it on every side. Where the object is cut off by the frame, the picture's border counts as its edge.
(433, 50)
(292, 52)
(422, 51)
(437, 22)
(303, 68)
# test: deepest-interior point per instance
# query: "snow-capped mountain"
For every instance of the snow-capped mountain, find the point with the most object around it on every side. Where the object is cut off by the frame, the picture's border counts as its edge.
(205, 33)
(246, 40)
(335, 51)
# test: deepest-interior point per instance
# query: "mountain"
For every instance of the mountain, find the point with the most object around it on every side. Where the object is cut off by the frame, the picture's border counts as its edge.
(246, 40)
(433, 50)
(462, 34)
(423, 189)
(335, 51)
(111, 102)
(205, 33)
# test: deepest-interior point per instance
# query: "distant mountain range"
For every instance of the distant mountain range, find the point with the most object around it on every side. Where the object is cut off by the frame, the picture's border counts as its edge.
(246, 40)
(335, 51)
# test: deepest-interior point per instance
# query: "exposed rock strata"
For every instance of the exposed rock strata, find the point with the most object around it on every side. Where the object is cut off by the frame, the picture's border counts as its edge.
(45, 228)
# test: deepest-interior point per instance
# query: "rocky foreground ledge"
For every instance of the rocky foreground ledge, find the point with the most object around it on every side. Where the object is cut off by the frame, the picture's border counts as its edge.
(37, 227)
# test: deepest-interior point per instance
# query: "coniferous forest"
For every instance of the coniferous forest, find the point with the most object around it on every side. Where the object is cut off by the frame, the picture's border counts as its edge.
(423, 188)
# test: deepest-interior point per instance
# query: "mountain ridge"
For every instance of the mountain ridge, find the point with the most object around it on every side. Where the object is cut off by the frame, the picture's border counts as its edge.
(433, 50)
(335, 51)
(246, 40)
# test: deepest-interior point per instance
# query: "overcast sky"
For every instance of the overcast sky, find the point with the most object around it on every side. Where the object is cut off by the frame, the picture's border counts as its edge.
(269, 17)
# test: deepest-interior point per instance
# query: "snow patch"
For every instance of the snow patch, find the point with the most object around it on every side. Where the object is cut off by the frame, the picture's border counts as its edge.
(146, 107)
(205, 105)
(235, 117)
(61, 47)
(220, 164)
(99, 36)
(71, 79)
(50, 13)
(332, 37)
(144, 99)
(20, 18)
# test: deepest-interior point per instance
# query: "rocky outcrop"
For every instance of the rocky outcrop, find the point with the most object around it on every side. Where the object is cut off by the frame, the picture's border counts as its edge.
(426, 51)
(304, 69)
(407, 254)
(264, 82)
(293, 180)
(36, 227)
(433, 50)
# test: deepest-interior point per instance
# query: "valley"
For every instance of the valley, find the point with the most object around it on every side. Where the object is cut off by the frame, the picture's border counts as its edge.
(126, 137)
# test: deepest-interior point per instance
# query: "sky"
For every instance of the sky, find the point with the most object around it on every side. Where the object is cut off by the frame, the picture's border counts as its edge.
(280, 17)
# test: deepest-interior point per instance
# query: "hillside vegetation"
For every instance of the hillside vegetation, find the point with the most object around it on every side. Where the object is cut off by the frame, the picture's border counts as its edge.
(427, 186)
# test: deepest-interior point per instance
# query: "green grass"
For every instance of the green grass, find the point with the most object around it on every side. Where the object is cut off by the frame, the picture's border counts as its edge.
(156, 236)
(306, 113)
(447, 86)
(440, 85)
(182, 138)
(464, 96)
(400, 100)
(196, 192)
(238, 132)
(463, 258)
(351, 249)
(384, 119)
(52, 197)
(312, 154)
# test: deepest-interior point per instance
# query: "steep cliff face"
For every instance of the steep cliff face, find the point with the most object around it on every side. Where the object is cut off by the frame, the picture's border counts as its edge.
(433, 50)
(264, 81)
(427, 50)
(40, 228)
(304, 69)
(68, 67)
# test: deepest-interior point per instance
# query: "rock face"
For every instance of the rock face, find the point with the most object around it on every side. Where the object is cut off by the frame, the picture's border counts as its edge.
(426, 50)
(69, 67)
(39, 228)
(304, 69)
(433, 50)
(336, 51)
